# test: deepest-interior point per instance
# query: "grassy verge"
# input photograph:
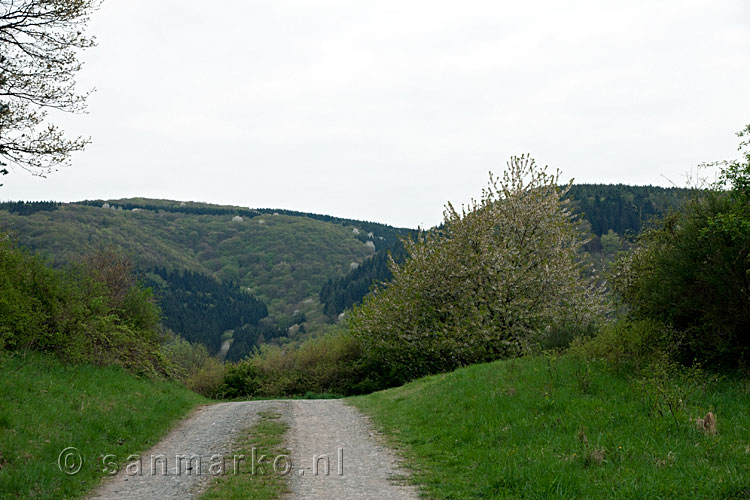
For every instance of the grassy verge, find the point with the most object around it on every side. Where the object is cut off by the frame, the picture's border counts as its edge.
(541, 428)
(47, 406)
(252, 481)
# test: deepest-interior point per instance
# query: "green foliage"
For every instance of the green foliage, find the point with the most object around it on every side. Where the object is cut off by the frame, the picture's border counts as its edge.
(608, 210)
(194, 366)
(47, 406)
(282, 260)
(74, 314)
(691, 272)
(200, 307)
(627, 346)
(623, 209)
(28, 207)
(331, 363)
(485, 286)
(505, 430)
(340, 294)
(611, 242)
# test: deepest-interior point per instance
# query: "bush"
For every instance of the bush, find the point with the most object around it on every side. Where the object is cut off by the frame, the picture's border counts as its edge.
(73, 314)
(329, 364)
(626, 344)
(691, 272)
(485, 286)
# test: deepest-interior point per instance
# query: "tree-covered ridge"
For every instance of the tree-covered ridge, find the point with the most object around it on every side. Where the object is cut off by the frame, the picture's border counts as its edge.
(282, 260)
(28, 207)
(200, 307)
(193, 208)
(622, 208)
(382, 235)
(340, 294)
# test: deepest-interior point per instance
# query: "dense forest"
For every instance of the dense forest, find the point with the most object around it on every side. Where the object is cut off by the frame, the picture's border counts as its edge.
(623, 209)
(28, 207)
(340, 294)
(200, 307)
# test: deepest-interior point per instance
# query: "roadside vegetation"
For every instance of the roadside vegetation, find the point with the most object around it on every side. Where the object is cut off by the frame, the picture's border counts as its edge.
(652, 403)
(48, 405)
(563, 427)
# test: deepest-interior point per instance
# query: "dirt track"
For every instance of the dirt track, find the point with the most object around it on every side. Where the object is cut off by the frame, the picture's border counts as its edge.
(334, 453)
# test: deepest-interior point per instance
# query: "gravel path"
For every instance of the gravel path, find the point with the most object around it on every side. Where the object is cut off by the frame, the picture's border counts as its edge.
(359, 467)
(324, 435)
(208, 432)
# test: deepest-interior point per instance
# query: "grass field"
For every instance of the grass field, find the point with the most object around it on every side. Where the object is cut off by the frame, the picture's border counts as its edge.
(47, 406)
(540, 428)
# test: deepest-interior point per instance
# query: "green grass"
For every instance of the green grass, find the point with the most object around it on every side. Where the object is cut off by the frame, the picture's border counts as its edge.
(262, 482)
(47, 406)
(537, 428)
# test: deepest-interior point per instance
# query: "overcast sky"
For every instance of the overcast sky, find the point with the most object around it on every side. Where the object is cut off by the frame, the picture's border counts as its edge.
(385, 110)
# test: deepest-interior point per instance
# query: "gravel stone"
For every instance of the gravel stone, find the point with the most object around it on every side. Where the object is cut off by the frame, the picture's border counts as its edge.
(207, 432)
(359, 466)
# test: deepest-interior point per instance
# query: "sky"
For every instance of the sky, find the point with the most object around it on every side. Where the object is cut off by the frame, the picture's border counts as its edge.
(384, 111)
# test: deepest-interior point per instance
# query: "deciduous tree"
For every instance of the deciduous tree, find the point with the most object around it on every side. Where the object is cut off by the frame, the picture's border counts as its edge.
(499, 273)
(40, 41)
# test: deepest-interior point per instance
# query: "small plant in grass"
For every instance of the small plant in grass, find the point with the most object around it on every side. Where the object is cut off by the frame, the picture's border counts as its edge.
(669, 388)
(583, 377)
(551, 358)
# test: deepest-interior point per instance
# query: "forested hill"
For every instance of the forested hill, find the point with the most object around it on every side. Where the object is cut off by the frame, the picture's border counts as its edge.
(283, 260)
(619, 208)
(221, 267)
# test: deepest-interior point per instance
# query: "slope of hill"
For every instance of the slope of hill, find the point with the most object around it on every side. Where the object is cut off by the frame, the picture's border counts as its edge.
(282, 259)
(48, 406)
(621, 208)
(563, 428)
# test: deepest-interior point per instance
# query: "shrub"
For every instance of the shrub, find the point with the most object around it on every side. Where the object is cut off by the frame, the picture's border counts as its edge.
(626, 344)
(208, 379)
(691, 272)
(329, 364)
(484, 286)
(73, 314)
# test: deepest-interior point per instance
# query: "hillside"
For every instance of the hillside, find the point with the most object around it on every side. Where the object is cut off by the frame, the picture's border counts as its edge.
(619, 208)
(561, 428)
(282, 259)
(48, 406)
(306, 268)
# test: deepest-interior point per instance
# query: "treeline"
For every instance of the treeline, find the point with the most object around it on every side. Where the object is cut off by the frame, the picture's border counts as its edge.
(200, 308)
(29, 207)
(624, 209)
(192, 210)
